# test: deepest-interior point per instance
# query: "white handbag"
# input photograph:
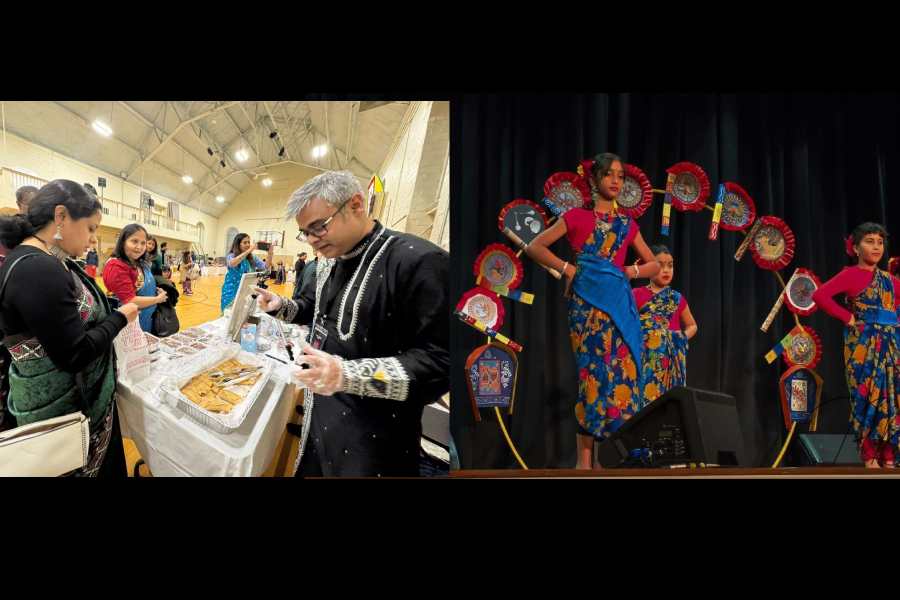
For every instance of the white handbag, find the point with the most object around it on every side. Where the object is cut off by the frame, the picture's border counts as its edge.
(47, 448)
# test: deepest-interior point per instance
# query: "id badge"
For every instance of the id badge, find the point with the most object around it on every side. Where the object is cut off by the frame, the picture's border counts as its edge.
(319, 334)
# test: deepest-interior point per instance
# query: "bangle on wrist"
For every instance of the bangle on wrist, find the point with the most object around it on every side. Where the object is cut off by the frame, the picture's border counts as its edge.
(563, 270)
(637, 271)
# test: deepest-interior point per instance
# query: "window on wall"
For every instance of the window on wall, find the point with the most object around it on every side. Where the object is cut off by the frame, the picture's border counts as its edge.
(273, 237)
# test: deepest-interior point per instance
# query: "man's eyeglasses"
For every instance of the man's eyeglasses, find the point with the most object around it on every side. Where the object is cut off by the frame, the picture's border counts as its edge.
(320, 228)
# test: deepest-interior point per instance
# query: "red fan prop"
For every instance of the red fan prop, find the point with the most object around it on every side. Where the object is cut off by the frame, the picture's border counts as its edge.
(484, 305)
(799, 291)
(566, 190)
(691, 188)
(773, 244)
(804, 348)
(498, 266)
(637, 192)
(738, 209)
(523, 218)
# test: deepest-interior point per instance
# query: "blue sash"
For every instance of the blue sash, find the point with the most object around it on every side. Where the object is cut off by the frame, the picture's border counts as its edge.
(603, 285)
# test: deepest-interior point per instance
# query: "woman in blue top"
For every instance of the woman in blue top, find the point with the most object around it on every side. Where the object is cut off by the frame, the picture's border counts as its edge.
(241, 260)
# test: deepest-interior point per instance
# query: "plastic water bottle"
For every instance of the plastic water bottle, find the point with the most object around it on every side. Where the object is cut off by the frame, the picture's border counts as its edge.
(248, 337)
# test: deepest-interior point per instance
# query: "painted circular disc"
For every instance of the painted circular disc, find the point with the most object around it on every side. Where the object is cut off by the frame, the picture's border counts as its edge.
(483, 305)
(798, 295)
(773, 245)
(738, 208)
(804, 349)
(524, 218)
(691, 188)
(566, 190)
(637, 192)
(498, 266)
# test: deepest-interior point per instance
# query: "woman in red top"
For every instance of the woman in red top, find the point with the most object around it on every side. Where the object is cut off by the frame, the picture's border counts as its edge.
(603, 320)
(128, 276)
(871, 343)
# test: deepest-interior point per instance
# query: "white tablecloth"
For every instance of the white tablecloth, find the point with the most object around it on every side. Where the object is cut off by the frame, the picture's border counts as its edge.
(213, 271)
(172, 444)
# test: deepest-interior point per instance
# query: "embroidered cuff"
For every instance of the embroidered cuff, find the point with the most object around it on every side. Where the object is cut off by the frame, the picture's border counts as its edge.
(376, 377)
(288, 310)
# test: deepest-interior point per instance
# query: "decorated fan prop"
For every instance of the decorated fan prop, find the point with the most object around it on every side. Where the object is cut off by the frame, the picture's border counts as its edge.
(491, 373)
(738, 208)
(566, 190)
(524, 219)
(483, 305)
(637, 193)
(773, 244)
(799, 291)
(801, 394)
(804, 348)
(691, 187)
(801, 346)
(521, 221)
(498, 267)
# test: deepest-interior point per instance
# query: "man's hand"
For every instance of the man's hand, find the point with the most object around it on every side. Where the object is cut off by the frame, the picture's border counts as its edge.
(268, 302)
(324, 375)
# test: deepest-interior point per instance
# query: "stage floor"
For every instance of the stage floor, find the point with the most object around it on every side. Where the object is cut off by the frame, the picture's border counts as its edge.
(707, 473)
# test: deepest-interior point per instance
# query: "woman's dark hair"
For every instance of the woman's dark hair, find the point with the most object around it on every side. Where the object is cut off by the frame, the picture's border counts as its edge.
(186, 256)
(152, 255)
(867, 228)
(236, 247)
(659, 249)
(127, 232)
(78, 202)
(602, 164)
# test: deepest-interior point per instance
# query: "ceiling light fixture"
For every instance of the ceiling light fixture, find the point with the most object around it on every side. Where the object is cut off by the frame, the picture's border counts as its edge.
(102, 128)
(267, 182)
(187, 179)
(241, 155)
(220, 199)
(319, 151)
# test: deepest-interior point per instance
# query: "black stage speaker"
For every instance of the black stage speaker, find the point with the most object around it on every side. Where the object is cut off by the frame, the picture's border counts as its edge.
(826, 449)
(683, 426)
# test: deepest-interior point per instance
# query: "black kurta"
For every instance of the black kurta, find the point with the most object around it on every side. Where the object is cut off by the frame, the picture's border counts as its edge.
(395, 351)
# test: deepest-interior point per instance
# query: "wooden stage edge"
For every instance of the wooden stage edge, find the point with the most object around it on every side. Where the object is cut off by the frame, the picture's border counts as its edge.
(706, 473)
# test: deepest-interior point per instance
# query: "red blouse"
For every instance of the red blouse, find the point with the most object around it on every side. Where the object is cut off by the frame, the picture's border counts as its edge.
(642, 295)
(851, 281)
(120, 278)
(580, 223)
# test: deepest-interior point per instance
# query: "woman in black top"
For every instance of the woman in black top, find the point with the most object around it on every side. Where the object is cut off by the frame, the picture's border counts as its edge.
(154, 257)
(57, 324)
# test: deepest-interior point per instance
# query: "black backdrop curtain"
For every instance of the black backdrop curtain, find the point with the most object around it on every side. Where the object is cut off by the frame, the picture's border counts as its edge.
(822, 162)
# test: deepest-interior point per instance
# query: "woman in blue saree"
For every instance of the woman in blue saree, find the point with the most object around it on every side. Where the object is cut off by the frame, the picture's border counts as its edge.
(240, 260)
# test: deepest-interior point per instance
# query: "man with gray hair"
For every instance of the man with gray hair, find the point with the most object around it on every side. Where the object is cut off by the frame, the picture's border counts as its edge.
(379, 335)
(23, 197)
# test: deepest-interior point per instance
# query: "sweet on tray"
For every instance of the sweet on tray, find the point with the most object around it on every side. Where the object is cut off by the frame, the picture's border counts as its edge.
(222, 387)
